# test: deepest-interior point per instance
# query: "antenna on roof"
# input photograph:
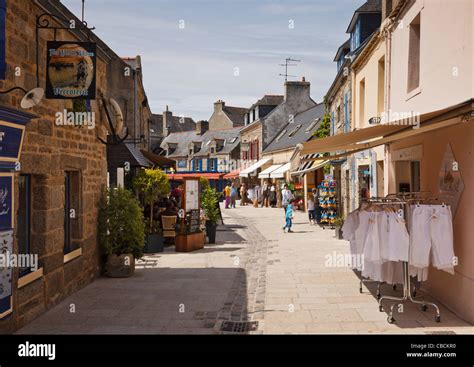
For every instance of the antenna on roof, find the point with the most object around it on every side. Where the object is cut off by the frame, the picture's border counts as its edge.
(288, 62)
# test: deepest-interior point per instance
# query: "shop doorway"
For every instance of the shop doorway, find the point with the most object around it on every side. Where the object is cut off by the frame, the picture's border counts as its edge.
(407, 176)
(364, 182)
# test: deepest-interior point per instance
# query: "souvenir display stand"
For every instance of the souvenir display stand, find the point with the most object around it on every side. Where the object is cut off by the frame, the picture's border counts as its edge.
(328, 202)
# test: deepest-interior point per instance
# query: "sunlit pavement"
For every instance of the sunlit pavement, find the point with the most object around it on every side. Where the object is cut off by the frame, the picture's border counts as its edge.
(254, 272)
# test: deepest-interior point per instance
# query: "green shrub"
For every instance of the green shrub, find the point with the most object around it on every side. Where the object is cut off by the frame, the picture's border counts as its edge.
(152, 185)
(210, 204)
(121, 225)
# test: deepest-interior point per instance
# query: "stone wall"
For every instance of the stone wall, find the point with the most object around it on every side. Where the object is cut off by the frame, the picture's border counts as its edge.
(48, 152)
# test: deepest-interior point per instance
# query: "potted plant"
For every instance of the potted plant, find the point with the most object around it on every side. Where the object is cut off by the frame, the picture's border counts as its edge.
(338, 222)
(121, 231)
(210, 206)
(152, 184)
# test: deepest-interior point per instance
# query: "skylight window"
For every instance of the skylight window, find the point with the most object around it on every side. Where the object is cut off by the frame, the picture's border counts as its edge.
(281, 135)
(208, 142)
(313, 124)
(294, 131)
(232, 140)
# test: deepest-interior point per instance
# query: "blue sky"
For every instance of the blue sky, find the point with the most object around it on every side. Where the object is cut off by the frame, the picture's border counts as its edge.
(190, 68)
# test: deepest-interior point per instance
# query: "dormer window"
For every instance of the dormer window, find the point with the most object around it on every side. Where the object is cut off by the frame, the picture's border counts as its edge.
(355, 36)
(170, 148)
(213, 150)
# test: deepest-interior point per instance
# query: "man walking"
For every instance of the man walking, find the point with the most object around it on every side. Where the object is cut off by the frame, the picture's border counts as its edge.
(227, 195)
(233, 195)
(286, 197)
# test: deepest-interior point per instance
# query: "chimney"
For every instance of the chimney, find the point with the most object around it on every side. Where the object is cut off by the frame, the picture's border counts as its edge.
(297, 91)
(167, 122)
(201, 127)
(219, 106)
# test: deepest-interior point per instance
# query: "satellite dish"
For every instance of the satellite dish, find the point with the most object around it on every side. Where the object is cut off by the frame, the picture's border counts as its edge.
(32, 98)
(118, 116)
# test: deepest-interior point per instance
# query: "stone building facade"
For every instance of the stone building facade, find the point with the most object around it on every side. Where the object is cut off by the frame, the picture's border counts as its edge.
(61, 168)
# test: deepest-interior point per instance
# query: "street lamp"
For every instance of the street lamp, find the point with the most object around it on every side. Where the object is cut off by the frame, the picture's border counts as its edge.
(30, 99)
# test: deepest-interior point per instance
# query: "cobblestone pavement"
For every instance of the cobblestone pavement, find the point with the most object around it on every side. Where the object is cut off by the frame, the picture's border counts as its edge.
(254, 272)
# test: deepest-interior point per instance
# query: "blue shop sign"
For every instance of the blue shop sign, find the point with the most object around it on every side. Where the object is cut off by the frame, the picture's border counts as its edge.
(11, 137)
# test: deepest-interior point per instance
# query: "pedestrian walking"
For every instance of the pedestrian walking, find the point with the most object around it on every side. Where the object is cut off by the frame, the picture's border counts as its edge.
(250, 194)
(257, 195)
(265, 194)
(289, 215)
(286, 197)
(272, 197)
(317, 206)
(311, 209)
(243, 195)
(227, 195)
(233, 195)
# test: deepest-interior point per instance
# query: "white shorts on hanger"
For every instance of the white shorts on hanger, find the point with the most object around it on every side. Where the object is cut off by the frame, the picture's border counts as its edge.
(396, 247)
(432, 232)
(376, 230)
(348, 230)
(361, 232)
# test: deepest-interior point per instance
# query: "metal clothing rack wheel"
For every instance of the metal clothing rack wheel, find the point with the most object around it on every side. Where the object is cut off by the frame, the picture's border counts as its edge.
(407, 297)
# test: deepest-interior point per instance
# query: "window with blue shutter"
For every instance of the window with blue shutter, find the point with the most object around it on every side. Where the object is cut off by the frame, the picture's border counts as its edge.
(193, 165)
(200, 165)
(355, 36)
(3, 64)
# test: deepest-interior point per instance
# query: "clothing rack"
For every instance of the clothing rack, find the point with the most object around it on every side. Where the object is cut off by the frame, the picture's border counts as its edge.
(383, 200)
(407, 296)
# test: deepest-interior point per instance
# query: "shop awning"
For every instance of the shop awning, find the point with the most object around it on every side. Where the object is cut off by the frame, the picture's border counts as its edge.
(352, 140)
(266, 172)
(251, 171)
(363, 139)
(182, 176)
(280, 172)
(158, 160)
(231, 175)
(310, 166)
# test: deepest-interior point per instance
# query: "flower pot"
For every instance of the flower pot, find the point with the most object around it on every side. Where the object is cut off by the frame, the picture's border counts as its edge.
(120, 266)
(154, 243)
(211, 229)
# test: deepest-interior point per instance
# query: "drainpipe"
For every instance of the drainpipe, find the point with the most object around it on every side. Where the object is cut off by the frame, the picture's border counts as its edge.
(135, 107)
(388, 72)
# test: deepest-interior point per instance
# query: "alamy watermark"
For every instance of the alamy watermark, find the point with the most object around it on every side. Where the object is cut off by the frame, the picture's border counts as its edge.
(410, 118)
(80, 119)
(340, 260)
(10, 260)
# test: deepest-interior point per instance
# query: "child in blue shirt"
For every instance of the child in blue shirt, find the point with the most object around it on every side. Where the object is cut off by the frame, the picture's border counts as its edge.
(289, 218)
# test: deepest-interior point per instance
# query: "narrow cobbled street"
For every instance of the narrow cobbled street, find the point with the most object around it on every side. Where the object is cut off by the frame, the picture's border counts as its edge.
(277, 281)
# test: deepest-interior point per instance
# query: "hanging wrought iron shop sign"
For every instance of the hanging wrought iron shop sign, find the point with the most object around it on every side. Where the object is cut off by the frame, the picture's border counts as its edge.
(71, 70)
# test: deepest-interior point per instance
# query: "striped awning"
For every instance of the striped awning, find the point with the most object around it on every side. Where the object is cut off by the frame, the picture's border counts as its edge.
(310, 163)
